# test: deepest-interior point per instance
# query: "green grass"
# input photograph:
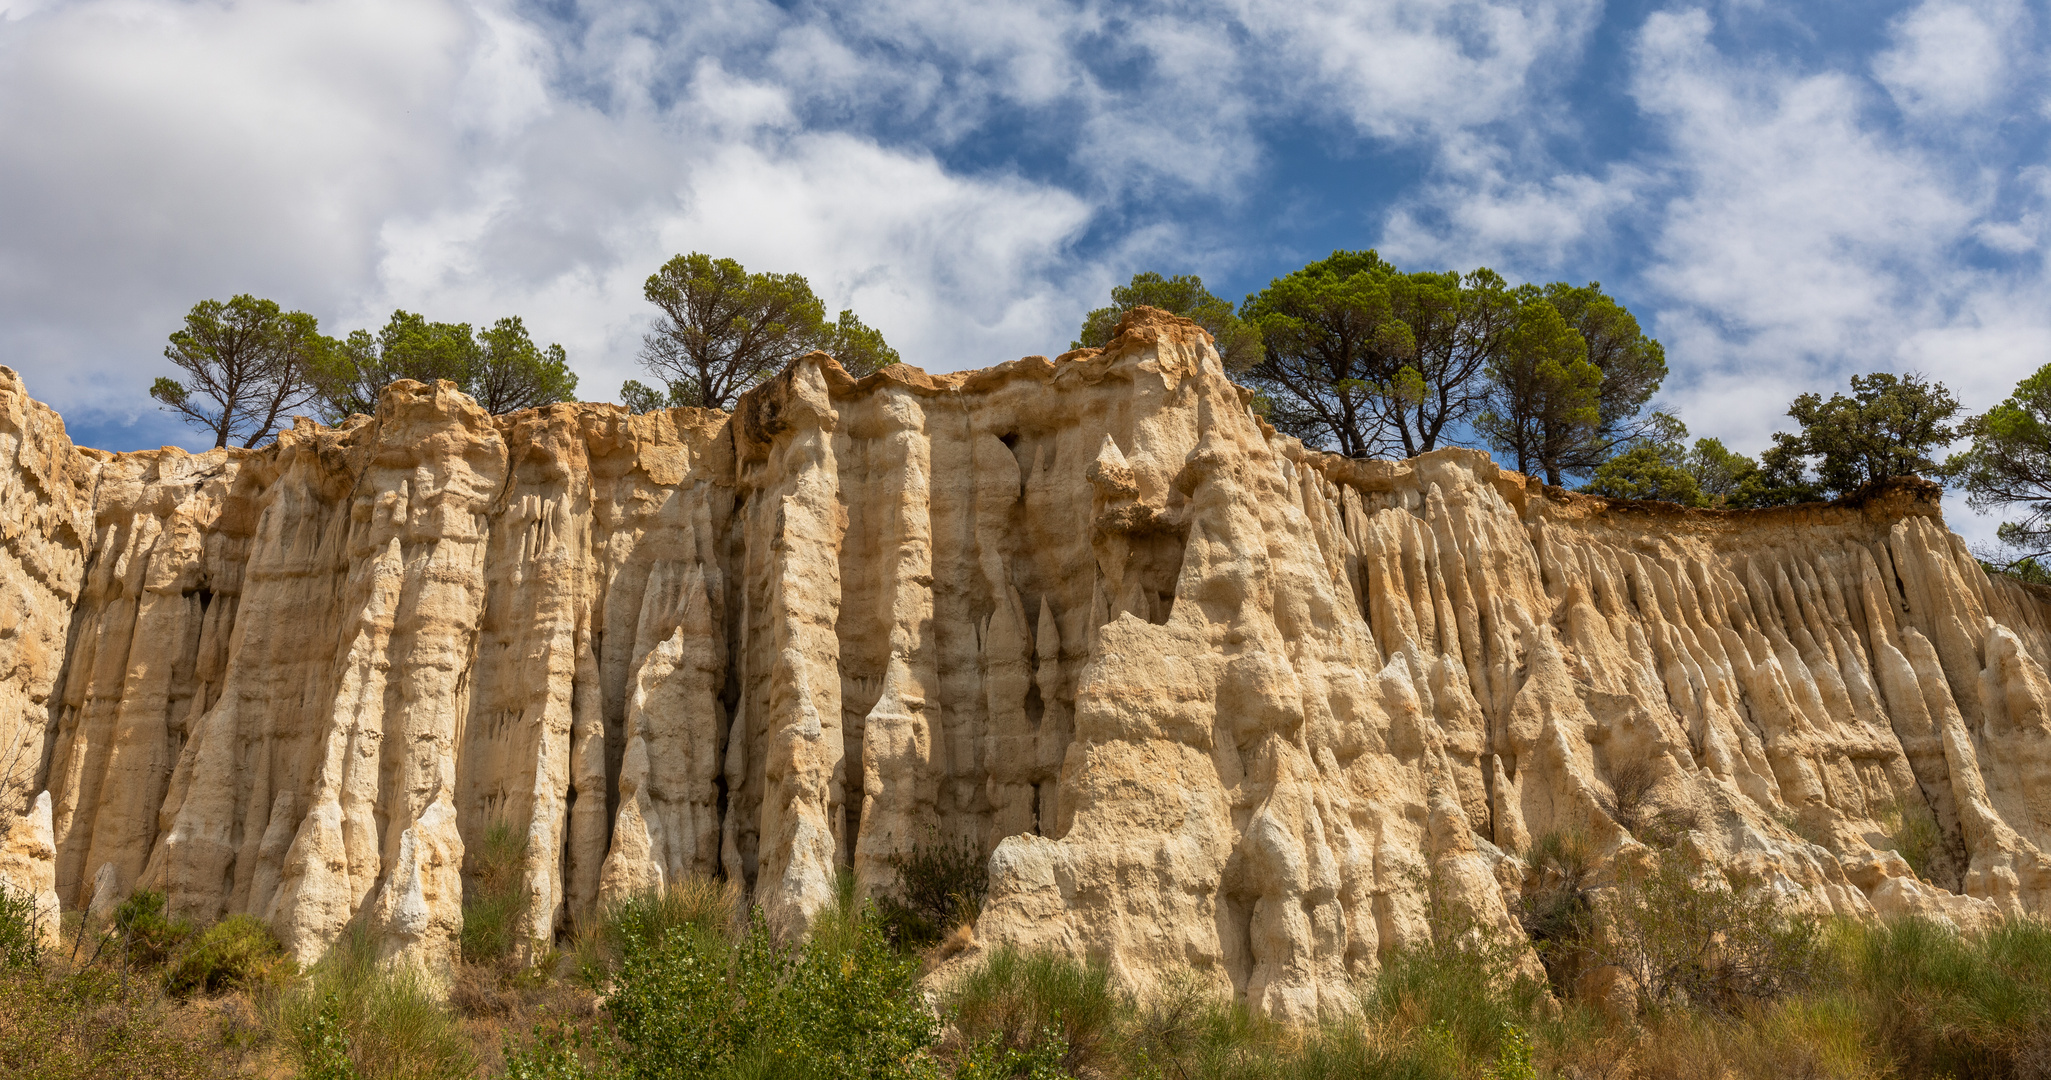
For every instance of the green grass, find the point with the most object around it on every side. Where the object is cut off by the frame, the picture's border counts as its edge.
(495, 897)
(1026, 1006)
(1941, 1002)
(696, 987)
(381, 1017)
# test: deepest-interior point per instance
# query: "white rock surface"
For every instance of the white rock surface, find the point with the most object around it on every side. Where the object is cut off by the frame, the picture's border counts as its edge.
(1211, 701)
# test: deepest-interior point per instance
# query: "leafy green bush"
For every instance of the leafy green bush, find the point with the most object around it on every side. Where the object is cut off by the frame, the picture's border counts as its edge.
(1703, 942)
(322, 1044)
(844, 1005)
(992, 1059)
(1513, 1056)
(20, 929)
(555, 1053)
(844, 1009)
(1024, 1007)
(643, 921)
(676, 1006)
(147, 935)
(238, 952)
(940, 885)
(381, 1015)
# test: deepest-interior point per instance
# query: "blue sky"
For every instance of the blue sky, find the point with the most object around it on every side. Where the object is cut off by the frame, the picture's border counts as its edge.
(1785, 193)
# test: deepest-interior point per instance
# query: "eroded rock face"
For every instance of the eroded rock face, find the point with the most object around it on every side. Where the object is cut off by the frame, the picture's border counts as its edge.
(1209, 700)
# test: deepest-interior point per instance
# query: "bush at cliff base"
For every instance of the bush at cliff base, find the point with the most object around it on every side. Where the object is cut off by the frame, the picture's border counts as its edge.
(843, 1006)
(237, 953)
(355, 1018)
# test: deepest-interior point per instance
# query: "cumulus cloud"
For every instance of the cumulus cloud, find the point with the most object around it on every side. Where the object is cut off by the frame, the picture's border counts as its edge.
(155, 154)
(1781, 207)
(351, 158)
(1806, 240)
(1425, 70)
(1949, 59)
(1809, 239)
(932, 164)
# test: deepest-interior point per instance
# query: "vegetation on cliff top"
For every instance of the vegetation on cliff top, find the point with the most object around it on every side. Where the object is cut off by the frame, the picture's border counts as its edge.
(722, 330)
(1349, 353)
(248, 365)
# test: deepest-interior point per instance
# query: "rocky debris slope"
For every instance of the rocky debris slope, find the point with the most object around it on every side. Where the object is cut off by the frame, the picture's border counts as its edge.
(1210, 700)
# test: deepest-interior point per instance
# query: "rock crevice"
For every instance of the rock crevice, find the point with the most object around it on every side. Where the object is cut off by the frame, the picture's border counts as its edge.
(1209, 701)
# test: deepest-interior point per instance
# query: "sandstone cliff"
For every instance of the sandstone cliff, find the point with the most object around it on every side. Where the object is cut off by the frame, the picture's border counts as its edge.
(1211, 701)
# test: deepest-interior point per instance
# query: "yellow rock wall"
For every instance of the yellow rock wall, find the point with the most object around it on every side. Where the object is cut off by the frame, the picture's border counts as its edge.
(1209, 700)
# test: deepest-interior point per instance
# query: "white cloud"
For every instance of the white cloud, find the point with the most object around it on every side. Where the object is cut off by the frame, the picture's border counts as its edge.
(152, 154)
(1424, 69)
(1948, 57)
(1803, 243)
(1792, 230)
(935, 165)
(1806, 241)
(351, 158)
(474, 159)
(1484, 210)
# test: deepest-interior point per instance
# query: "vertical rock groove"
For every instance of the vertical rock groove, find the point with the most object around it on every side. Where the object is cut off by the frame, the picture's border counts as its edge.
(1209, 701)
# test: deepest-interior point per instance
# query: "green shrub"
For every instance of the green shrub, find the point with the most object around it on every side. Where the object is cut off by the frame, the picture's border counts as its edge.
(1702, 941)
(495, 896)
(1455, 1000)
(697, 906)
(93, 1024)
(675, 1005)
(1913, 830)
(557, 1053)
(148, 937)
(940, 885)
(322, 1044)
(992, 1059)
(1965, 1005)
(1023, 1006)
(20, 929)
(1557, 908)
(847, 1008)
(1189, 1029)
(389, 1024)
(1513, 1056)
(239, 952)
(844, 1006)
